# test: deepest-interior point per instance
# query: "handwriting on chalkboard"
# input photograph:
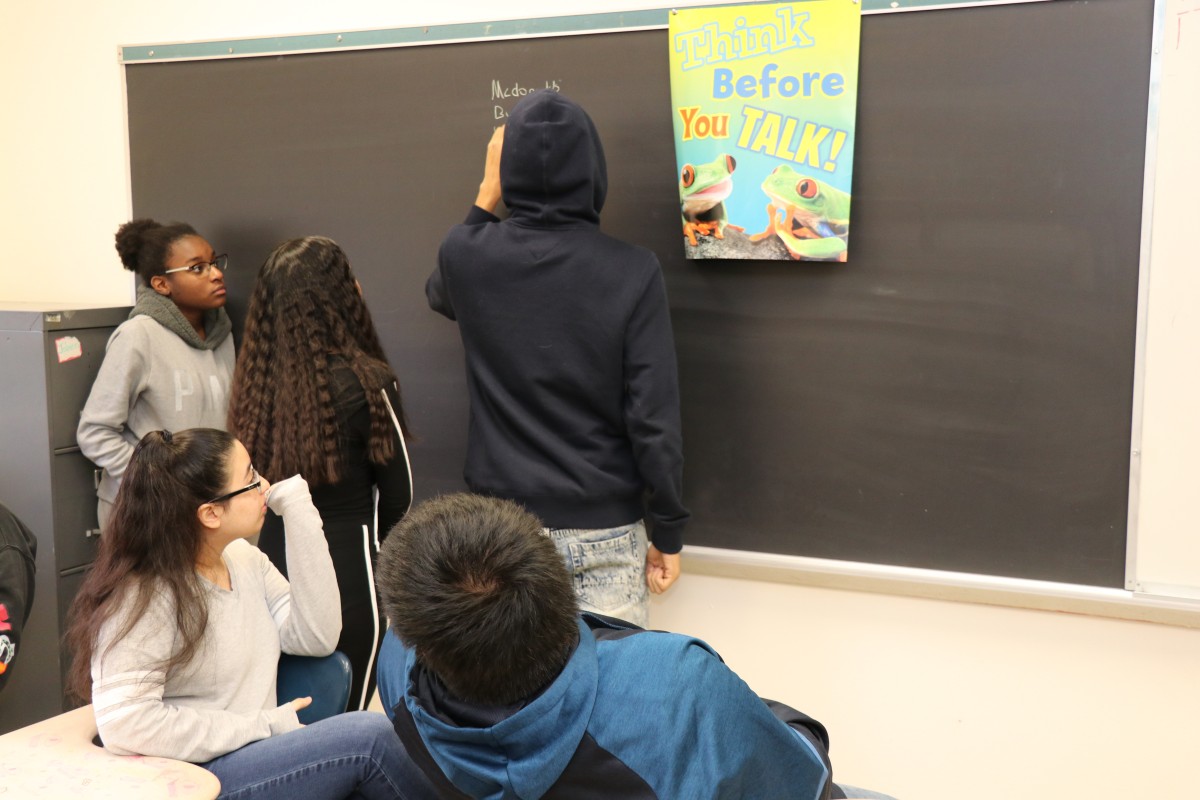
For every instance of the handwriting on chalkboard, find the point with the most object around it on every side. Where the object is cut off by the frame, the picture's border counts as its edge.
(506, 93)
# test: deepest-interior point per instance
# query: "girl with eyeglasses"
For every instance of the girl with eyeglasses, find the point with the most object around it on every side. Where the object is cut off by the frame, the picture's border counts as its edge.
(177, 630)
(313, 394)
(170, 364)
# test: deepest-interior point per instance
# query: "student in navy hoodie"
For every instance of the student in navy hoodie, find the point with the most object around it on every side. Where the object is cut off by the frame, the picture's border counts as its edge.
(498, 689)
(570, 359)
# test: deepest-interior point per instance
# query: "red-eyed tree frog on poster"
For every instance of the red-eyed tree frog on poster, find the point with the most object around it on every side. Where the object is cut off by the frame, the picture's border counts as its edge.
(703, 189)
(810, 217)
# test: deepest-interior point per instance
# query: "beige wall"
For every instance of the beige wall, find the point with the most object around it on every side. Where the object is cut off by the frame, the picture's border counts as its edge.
(1168, 547)
(932, 700)
(927, 699)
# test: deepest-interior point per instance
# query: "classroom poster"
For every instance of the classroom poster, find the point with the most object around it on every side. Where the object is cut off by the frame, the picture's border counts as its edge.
(763, 98)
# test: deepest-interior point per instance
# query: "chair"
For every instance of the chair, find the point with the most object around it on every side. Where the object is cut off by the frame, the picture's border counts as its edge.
(326, 679)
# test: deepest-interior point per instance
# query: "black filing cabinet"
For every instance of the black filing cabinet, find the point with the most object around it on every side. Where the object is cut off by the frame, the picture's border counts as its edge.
(49, 356)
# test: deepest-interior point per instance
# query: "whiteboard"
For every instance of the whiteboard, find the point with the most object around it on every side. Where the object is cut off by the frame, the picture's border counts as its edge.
(1164, 557)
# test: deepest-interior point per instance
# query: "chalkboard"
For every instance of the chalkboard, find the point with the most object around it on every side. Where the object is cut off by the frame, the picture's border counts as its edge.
(957, 396)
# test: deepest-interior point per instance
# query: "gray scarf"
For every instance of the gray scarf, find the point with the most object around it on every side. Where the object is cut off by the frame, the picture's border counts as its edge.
(164, 311)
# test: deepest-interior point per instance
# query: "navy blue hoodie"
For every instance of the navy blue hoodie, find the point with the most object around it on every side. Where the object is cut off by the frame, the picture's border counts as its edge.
(569, 350)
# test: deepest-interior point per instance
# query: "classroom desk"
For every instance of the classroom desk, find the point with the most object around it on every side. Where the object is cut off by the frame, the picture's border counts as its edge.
(56, 759)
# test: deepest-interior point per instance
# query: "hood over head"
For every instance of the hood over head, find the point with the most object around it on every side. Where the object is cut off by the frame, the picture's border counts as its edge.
(552, 169)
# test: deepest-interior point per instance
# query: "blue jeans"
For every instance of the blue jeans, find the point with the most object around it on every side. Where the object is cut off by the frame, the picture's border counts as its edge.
(354, 755)
(608, 569)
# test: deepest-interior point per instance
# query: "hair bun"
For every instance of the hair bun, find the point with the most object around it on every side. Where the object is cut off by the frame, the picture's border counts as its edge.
(130, 238)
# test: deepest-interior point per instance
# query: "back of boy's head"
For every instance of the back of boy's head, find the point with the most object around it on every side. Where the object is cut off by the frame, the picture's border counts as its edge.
(484, 599)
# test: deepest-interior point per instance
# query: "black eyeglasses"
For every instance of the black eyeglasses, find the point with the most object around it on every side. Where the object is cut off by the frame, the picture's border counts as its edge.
(257, 483)
(221, 262)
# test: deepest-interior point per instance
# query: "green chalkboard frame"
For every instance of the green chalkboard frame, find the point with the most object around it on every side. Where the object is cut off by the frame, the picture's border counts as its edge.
(461, 32)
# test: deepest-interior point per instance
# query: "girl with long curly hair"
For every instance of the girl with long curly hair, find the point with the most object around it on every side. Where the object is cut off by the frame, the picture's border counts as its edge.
(313, 394)
(178, 627)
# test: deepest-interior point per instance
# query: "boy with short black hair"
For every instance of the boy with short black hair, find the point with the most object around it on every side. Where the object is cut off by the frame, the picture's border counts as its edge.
(497, 689)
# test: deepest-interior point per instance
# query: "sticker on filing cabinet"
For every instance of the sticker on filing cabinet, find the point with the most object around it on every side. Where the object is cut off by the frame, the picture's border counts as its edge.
(68, 348)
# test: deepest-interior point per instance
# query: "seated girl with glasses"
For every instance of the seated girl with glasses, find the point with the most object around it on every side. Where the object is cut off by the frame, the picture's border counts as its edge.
(178, 627)
(170, 364)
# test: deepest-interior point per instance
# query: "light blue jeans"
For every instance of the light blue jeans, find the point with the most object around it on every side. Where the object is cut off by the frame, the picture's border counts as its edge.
(354, 755)
(608, 569)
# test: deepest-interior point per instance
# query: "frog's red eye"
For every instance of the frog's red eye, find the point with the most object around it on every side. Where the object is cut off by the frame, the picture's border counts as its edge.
(807, 188)
(688, 176)
(730, 164)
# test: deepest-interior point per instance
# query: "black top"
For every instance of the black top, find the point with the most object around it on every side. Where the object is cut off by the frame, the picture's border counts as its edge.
(570, 354)
(18, 547)
(352, 497)
(351, 501)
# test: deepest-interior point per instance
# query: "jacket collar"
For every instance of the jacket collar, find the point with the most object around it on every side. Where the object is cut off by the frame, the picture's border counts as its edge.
(526, 751)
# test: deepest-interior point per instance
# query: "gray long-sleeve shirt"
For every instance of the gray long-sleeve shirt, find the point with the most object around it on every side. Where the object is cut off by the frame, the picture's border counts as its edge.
(224, 697)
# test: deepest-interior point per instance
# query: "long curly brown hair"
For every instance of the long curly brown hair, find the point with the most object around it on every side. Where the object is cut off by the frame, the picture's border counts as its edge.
(307, 314)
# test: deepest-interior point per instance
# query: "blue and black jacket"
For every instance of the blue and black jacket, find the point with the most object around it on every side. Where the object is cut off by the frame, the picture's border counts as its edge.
(603, 729)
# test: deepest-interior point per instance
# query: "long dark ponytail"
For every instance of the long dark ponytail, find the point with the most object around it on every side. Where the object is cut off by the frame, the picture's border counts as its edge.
(150, 546)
